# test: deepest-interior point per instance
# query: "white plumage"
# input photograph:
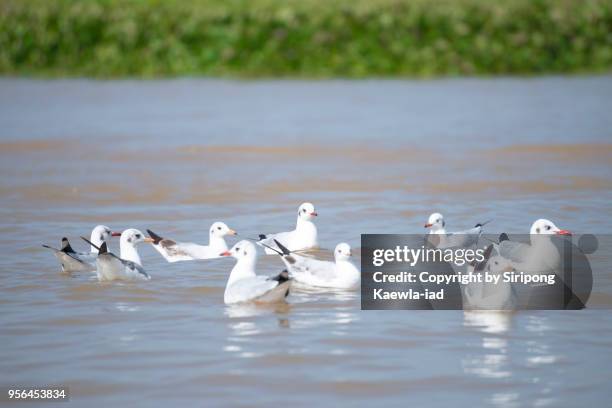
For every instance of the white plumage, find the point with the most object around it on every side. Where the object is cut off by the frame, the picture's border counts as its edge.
(110, 267)
(72, 261)
(490, 296)
(340, 274)
(541, 255)
(244, 285)
(173, 251)
(303, 237)
(460, 239)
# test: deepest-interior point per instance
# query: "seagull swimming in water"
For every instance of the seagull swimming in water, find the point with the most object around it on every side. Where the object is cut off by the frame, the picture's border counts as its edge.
(127, 267)
(303, 237)
(486, 295)
(73, 261)
(244, 285)
(340, 274)
(459, 239)
(541, 255)
(174, 251)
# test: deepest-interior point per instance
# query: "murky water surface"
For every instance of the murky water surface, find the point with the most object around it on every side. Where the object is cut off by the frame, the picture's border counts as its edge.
(374, 156)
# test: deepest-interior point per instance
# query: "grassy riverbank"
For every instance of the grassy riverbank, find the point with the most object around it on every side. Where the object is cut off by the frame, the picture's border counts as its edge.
(309, 38)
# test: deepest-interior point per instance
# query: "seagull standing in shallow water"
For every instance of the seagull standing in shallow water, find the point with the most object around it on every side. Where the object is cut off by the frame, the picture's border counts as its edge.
(244, 285)
(303, 237)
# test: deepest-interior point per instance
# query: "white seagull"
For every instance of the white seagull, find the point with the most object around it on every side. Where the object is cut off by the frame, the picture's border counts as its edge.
(541, 255)
(459, 239)
(303, 237)
(244, 285)
(341, 274)
(73, 261)
(174, 251)
(127, 267)
(490, 296)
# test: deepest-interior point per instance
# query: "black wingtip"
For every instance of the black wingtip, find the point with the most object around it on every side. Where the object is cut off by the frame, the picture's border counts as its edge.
(281, 277)
(270, 248)
(156, 238)
(262, 236)
(66, 248)
(503, 237)
(482, 224)
(91, 243)
(283, 248)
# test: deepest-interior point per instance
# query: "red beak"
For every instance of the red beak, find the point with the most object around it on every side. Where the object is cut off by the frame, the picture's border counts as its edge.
(115, 234)
(226, 253)
(428, 225)
(563, 232)
(314, 214)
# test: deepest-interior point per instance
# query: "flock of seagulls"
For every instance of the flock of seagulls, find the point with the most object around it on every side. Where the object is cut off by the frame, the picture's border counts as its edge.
(539, 257)
(245, 285)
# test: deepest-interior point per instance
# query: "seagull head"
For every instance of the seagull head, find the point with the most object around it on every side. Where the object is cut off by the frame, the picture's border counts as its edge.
(242, 250)
(498, 265)
(435, 222)
(307, 212)
(342, 252)
(546, 227)
(101, 233)
(220, 229)
(133, 237)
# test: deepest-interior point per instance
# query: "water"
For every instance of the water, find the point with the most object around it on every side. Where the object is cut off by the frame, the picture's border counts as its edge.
(374, 156)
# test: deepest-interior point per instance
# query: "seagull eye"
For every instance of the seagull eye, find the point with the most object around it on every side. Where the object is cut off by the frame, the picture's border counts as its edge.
(304, 210)
(138, 236)
(219, 228)
(548, 227)
(237, 249)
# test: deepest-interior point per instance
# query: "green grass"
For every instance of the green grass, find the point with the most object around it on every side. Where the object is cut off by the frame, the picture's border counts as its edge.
(308, 38)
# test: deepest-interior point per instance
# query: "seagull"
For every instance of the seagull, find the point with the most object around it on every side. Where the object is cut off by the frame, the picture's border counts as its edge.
(127, 267)
(490, 296)
(303, 237)
(341, 274)
(459, 239)
(244, 285)
(541, 255)
(73, 261)
(174, 251)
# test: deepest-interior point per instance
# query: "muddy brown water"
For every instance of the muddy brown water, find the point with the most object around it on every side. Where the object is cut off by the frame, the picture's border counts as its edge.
(373, 156)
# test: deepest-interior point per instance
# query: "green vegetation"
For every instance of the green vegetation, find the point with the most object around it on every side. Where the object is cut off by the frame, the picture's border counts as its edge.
(306, 38)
